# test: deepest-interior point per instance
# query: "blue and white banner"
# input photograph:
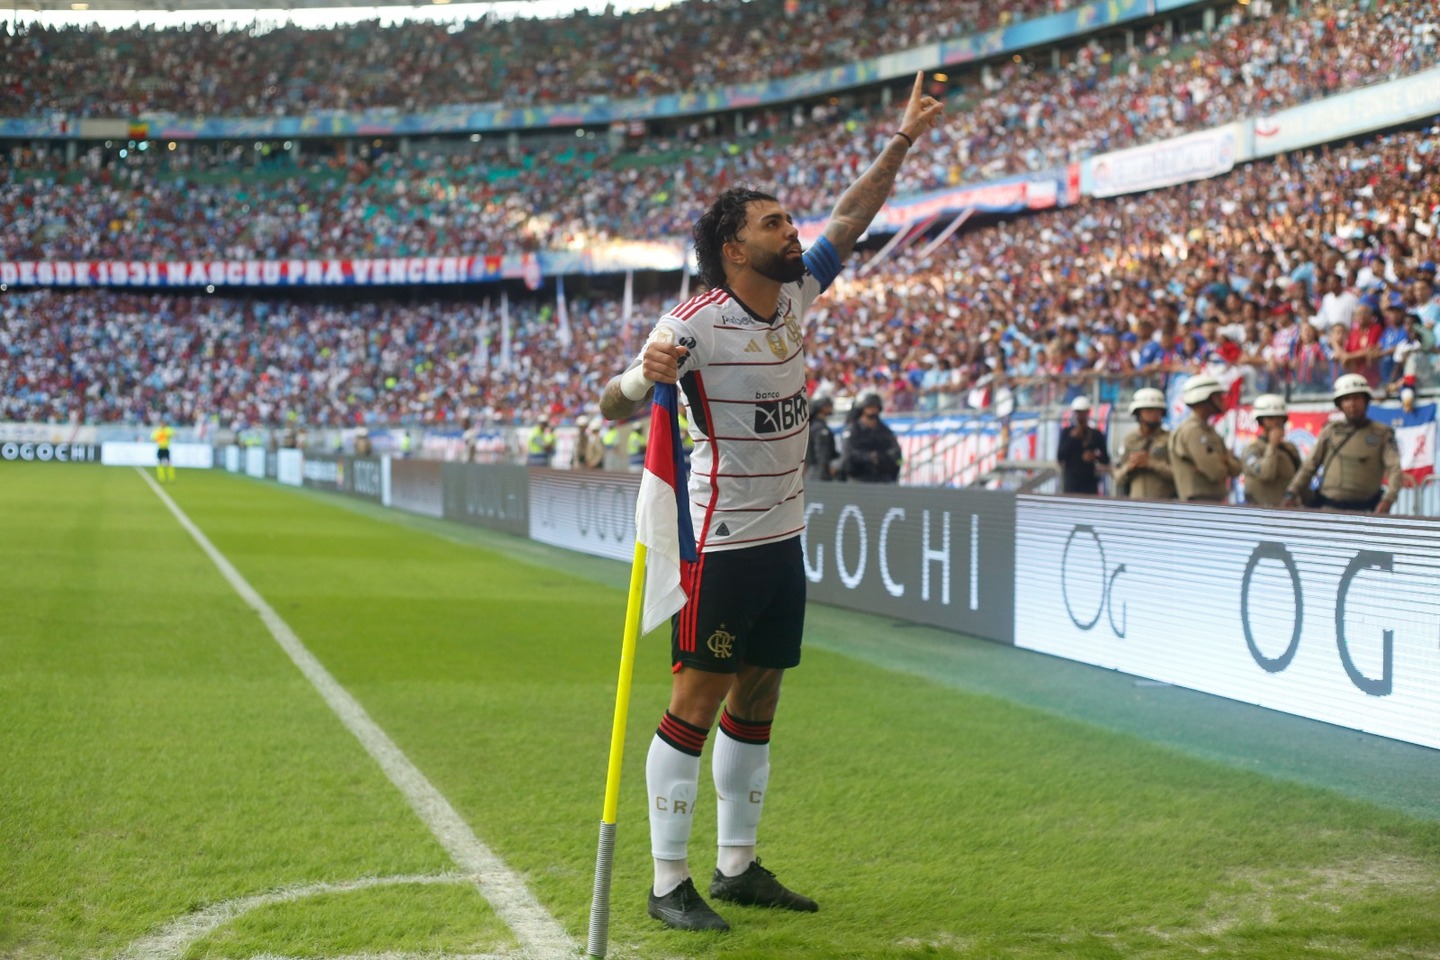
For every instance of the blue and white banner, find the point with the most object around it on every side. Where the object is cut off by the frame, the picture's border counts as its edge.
(1038, 191)
(1194, 156)
(956, 451)
(1370, 108)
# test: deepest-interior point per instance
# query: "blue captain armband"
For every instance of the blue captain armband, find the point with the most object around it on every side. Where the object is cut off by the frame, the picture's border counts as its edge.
(822, 260)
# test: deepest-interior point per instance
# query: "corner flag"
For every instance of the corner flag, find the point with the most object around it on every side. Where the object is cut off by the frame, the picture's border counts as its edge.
(663, 537)
(662, 512)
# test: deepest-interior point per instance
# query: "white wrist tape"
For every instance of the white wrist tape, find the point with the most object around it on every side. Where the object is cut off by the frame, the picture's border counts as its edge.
(633, 383)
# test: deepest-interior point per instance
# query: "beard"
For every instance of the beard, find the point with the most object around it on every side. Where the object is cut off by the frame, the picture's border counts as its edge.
(779, 267)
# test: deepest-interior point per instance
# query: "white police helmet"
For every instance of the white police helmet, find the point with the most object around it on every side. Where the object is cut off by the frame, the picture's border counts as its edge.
(1200, 389)
(1350, 384)
(1147, 398)
(1270, 405)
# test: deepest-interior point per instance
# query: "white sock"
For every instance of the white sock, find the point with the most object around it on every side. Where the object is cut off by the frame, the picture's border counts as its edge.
(733, 861)
(669, 874)
(741, 768)
(671, 775)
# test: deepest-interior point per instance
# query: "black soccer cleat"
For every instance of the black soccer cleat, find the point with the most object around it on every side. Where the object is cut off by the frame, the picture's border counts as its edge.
(683, 909)
(757, 887)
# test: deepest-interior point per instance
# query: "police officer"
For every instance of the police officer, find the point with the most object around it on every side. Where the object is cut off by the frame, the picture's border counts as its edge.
(821, 455)
(1353, 456)
(1202, 463)
(872, 451)
(588, 453)
(1082, 450)
(470, 438)
(1270, 462)
(1144, 471)
(541, 446)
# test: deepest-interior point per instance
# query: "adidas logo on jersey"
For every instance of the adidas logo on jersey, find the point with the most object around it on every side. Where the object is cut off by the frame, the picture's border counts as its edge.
(752, 347)
(722, 531)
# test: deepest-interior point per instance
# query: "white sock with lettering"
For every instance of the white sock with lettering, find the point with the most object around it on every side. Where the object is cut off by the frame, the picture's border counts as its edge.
(672, 773)
(741, 768)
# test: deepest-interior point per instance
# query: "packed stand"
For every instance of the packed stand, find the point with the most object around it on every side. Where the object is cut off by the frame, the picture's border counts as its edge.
(456, 198)
(104, 357)
(270, 69)
(1291, 273)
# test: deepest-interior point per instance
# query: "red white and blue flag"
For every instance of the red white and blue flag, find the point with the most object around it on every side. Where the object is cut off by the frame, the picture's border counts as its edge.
(662, 512)
(1415, 435)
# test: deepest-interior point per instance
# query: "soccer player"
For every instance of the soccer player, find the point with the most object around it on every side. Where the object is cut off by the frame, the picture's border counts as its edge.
(162, 437)
(737, 353)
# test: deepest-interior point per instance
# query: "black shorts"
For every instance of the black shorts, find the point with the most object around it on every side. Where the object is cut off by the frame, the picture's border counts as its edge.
(746, 606)
(163, 455)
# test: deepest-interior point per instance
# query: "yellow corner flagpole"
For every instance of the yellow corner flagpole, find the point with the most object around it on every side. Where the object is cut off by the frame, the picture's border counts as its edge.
(605, 855)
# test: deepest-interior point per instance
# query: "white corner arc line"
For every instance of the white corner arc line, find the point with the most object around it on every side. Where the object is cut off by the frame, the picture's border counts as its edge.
(172, 940)
(539, 933)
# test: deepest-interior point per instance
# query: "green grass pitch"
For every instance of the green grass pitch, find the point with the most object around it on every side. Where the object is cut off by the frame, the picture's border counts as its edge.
(171, 785)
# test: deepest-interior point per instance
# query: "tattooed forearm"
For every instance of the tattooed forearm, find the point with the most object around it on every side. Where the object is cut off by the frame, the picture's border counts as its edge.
(614, 405)
(859, 204)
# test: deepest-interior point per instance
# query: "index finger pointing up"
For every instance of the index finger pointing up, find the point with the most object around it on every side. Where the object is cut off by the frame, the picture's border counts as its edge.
(919, 90)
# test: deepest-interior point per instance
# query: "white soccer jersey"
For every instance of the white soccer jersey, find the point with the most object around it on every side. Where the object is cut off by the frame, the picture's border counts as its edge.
(744, 380)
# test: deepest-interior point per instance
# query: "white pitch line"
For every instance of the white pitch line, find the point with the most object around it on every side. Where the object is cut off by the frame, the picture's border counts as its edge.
(392, 956)
(539, 933)
(172, 940)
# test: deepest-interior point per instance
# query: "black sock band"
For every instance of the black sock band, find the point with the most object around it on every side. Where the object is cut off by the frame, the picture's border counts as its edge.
(746, 731)
(685, 737)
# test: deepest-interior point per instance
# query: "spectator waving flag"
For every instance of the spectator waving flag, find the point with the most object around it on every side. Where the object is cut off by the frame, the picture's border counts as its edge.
(662, 512)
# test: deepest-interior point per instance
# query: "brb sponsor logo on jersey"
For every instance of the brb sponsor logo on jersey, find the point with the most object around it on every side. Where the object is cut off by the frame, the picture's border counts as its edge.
(779, 416)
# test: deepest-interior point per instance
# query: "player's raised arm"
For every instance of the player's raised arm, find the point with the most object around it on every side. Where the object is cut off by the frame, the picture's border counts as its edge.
(864, 198)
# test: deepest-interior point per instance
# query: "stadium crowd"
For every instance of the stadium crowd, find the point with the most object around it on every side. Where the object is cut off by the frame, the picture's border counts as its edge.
(270, 69)
(1289, 272)
(104, 356)
(455, 197)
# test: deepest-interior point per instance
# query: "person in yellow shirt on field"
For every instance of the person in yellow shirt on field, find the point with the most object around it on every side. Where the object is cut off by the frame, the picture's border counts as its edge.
(162, 436)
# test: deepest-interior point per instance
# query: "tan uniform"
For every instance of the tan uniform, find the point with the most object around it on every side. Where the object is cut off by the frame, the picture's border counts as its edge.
(1269, 470)
(1355, 461)
(1155, 482)
(589, 453)
(1202, 463)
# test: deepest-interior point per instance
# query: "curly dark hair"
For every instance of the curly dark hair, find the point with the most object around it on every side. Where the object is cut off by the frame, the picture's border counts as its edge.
(718, 226)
